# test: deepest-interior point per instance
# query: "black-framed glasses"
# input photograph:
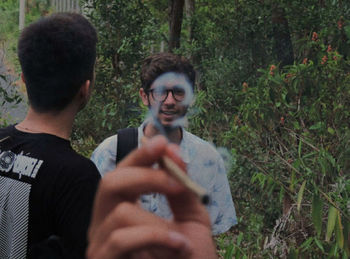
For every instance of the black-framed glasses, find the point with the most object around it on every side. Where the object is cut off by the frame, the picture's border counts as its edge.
(161, 93)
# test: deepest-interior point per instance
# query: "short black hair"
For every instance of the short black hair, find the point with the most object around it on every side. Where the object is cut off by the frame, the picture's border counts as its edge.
(57, 55)
(160, 63)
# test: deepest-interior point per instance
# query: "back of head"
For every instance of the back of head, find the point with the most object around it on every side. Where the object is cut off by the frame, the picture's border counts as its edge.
(160, 63)
(57, 55)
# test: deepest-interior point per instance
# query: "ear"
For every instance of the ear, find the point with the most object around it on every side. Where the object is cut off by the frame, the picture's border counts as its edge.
(84, 94)
(144, 97)
(22, 77)
(85, 90)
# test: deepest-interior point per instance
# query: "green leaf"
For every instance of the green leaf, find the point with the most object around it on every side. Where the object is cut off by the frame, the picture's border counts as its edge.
(319, 244)
(296, 125)
(317, 213)
(300, 195)
(239, 239)
(317, 126)
(229, 252)
(332, 217)
(339, 231)
(333, 251)
(307, 243)
(331, 131)
(281, 194)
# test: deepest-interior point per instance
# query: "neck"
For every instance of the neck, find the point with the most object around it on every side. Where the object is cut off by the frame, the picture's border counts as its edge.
(174, 136)
(59, 124)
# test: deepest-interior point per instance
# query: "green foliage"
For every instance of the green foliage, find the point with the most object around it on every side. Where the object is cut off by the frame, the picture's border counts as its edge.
(9, 31)
(296, 121)
(287, 127)
(126, 31)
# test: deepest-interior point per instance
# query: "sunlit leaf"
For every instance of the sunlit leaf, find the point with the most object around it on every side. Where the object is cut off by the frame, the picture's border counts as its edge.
(300, 195)
(332, 217)
(331, 131)
(339, 231)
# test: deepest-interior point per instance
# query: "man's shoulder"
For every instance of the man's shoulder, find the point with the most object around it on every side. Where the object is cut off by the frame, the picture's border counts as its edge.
(108, 142)
(198, 142)
(200, 145)
(5, 130)
(64, 156)
(105, 149)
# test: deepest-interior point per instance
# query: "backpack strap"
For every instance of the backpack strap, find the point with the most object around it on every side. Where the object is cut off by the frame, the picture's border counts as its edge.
(127, 141)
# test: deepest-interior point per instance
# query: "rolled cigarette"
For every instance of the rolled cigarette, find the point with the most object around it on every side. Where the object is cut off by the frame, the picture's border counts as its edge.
(183, 178)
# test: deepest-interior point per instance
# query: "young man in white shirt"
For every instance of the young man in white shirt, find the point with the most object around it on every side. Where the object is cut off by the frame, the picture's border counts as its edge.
(165, 79)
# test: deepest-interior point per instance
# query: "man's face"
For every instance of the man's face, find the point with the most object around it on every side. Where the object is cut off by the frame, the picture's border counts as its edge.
(168, 97)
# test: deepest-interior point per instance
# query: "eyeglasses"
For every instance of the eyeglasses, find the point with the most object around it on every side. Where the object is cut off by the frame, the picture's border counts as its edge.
(161, 93)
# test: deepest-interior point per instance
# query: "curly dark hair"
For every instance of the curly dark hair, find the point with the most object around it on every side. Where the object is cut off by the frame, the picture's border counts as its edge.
(57, 55)
(160, 63)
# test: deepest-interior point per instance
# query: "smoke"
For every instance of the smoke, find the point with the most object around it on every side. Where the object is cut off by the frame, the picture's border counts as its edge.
(170, 80)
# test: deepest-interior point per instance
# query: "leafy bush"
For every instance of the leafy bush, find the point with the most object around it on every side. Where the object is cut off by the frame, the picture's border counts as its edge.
(286, 126)
(293, 131)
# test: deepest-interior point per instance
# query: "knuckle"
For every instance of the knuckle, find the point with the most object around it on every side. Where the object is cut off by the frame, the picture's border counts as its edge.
(122, 212)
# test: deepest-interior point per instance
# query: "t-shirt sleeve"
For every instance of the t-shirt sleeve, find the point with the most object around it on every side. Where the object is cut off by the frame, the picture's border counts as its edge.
(222, 209)
(73, 207)
(104, 156)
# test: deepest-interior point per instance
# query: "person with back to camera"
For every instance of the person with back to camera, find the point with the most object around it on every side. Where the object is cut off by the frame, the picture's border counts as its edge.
(46, 188)
(163, 79)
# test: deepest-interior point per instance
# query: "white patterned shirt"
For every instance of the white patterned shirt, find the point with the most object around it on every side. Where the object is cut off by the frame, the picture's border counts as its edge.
(205, 166)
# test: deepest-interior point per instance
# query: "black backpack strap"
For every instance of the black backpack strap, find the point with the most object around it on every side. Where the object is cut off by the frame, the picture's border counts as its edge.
(127, 141)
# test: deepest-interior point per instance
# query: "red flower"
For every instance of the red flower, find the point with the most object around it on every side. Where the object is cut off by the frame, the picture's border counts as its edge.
(314, 36)
(324, 60)
(282, 120)
(272, 68)
(305, 61)
(329, 49)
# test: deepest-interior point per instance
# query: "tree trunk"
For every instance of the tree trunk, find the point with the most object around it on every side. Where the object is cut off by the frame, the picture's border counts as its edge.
(283, 47)
(189, 7)
(22, 6)
(175, 22)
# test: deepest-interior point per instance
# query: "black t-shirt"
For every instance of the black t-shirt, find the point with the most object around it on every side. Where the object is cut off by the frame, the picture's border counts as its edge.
(46, 189)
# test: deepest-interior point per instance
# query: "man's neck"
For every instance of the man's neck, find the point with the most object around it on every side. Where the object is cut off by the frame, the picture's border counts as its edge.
(58, 124)
(174, 136)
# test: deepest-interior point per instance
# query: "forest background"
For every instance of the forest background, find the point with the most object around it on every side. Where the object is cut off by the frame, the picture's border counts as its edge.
(273, 90)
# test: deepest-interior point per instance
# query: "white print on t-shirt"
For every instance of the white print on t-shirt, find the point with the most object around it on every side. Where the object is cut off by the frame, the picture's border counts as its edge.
(20, 164)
